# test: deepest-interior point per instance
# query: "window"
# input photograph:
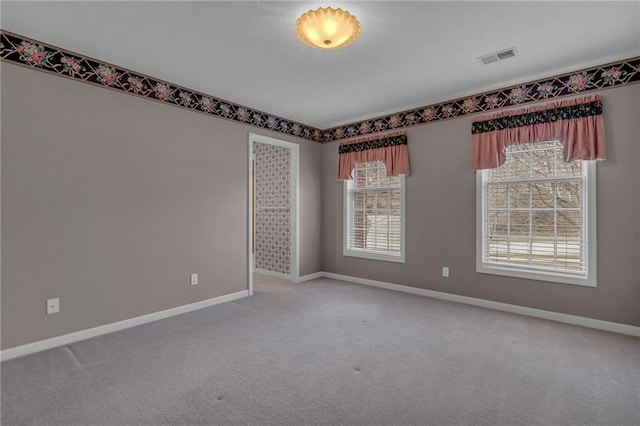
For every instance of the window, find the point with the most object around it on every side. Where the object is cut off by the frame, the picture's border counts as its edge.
(536, 216)
(374, 213)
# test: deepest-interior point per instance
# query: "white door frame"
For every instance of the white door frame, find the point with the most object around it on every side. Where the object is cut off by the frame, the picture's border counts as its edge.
(294, 204)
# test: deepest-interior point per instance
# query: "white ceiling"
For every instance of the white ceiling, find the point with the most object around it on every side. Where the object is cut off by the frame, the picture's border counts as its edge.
(409, 54)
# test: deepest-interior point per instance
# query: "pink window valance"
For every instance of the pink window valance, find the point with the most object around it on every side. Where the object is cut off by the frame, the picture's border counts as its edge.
(390, 148)
(576, 123)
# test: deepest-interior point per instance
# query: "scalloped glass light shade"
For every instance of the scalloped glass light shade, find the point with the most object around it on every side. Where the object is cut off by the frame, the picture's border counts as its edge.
(327, 28)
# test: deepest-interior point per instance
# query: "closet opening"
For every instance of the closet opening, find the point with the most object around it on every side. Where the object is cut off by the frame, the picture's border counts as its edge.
(273, 209)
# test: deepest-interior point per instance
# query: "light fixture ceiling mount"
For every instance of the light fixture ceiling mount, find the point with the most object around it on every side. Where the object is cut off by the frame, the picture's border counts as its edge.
(327, 28)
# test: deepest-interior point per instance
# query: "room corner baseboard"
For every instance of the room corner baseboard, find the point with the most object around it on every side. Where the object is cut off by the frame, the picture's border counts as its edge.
(272, 274)
(67, 339)
(505, 307)
(310, 277)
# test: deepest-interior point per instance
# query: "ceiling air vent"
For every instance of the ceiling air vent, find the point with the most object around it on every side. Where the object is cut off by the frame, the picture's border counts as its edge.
(498, 56)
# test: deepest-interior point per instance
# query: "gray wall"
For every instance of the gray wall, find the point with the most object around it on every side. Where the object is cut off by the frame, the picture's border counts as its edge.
(441, 222)
(110, 201)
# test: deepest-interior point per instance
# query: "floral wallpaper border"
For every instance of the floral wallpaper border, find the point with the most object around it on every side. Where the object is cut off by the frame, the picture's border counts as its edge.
(41, 56)
(618, 73)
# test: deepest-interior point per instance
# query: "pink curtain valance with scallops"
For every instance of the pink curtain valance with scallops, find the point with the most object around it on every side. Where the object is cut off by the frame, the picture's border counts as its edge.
(576, 123)
(390, 148)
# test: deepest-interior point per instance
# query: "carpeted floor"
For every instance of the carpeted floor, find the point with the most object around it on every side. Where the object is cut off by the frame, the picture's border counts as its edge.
(331, 353)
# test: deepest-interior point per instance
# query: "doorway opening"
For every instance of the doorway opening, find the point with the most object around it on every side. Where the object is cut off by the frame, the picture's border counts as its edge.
(273, 209)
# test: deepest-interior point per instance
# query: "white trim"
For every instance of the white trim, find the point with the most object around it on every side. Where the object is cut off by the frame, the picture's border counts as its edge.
(295, 205)
(310, 277)
(250, 262)
(273, 274)
(67, 339)
(505, 307)
(372, 255)
(592, 222)
(295, 213)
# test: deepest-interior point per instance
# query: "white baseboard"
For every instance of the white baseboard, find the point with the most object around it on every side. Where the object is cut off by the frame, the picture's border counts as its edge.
(272, 274)
(516, 309)
(67, 339)
(310, 277)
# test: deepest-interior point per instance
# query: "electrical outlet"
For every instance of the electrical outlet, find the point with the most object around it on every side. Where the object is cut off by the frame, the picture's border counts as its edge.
(194, 279)
(445, 271)
(53, 306)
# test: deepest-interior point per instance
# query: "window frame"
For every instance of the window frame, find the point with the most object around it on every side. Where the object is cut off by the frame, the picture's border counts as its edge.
(371, 254)
(588, 278)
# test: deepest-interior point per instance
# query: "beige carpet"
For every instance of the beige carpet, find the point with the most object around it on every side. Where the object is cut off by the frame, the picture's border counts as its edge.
(330, 353)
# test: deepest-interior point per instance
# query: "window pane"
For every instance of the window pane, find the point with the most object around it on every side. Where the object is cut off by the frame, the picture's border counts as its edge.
(519, 223)
(519, 195)
(377, 238)
(497, 196)
(519, 250)
(376, 172)
(498, 222)
(497, 249)
(569, 224)
(382, 171)
(543, 252)
(544, 161)
(360, 177)
(542, 194)
(389, 181)
(519, 163)
(383, 199)
(573, 168)
(395, 202)
(569, 194)
(543, 224)
(359, 219)
(499, 173)
(569, 255)
(369, 200)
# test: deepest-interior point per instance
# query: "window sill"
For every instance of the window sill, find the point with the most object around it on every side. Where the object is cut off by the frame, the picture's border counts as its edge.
(529, 274)
(374, 256)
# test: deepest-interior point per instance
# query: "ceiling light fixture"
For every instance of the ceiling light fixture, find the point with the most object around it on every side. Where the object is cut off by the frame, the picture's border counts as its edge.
(327, 28)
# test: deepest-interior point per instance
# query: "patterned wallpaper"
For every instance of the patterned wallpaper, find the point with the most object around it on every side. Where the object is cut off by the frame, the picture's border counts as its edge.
(272, 208)
(40, 56)
(595, 78)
